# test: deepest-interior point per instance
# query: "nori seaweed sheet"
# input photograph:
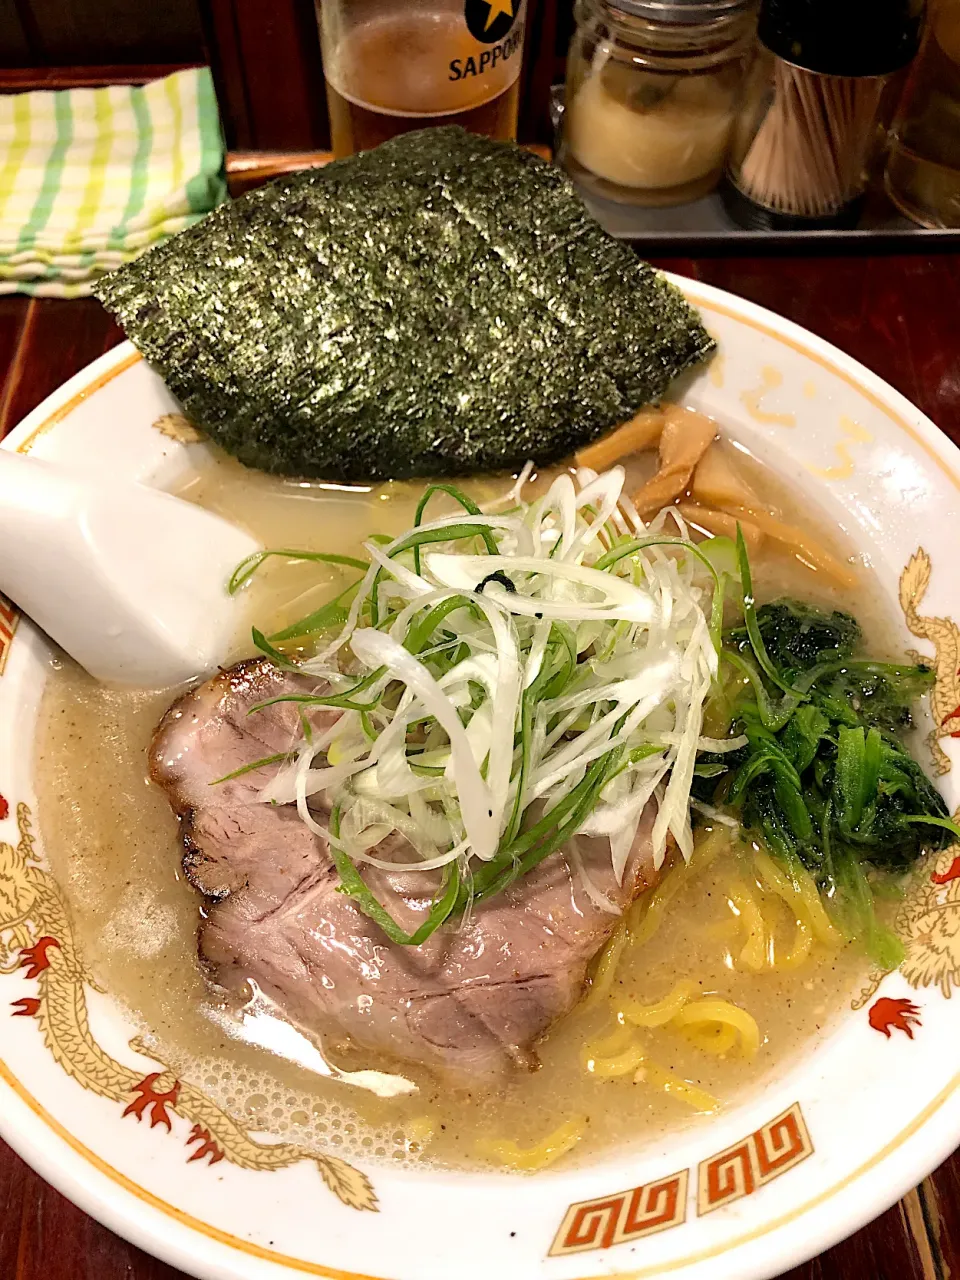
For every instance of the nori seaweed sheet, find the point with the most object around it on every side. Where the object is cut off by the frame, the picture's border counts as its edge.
(443, 304)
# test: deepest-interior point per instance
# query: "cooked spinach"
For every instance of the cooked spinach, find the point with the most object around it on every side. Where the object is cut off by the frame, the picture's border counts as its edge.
(825, 778)
(797, 636)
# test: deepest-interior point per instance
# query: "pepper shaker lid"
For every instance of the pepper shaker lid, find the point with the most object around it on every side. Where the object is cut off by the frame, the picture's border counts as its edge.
(845, 38)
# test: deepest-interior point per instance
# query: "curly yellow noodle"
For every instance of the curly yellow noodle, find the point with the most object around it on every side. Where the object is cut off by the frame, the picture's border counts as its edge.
(621, 1065)
(713, 1025)
(610, 1046)
(722, 1012)
(709, 842)
(532, 1159)
(627, 1060)
(711, 1037)
(606, 967)
(800, 893)
(798, 953)
(761, 951)
(755, 952)
(652, 1074)
(646, 915)
(655, 1015)
(778, 956)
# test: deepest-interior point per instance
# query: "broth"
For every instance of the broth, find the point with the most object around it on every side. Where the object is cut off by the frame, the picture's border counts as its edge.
(113, 843)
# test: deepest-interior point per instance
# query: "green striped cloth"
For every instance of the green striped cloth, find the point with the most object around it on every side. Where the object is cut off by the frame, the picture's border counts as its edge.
(91, 177)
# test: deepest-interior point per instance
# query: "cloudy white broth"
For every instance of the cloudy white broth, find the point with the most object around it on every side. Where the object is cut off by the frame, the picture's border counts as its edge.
(623, 1066)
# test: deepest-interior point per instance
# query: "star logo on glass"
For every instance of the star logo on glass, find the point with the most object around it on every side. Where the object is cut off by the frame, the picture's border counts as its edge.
(490, 20)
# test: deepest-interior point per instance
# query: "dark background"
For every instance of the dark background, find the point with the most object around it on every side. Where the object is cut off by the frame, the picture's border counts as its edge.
(265, 56)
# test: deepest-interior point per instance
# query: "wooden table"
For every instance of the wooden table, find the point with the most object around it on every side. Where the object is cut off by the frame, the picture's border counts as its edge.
(901, 317)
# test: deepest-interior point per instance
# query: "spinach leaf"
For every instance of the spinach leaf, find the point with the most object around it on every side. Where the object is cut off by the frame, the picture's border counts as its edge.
(826, 777)
(798, 637)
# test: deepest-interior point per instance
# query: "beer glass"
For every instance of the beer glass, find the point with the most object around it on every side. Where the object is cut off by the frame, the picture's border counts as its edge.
(396, 65)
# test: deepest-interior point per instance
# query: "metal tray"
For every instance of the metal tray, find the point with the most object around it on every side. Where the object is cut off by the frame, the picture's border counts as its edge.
(705, 226)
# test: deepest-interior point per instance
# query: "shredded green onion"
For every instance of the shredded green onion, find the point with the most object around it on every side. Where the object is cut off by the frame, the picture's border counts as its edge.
(499, 722)
(248, 567)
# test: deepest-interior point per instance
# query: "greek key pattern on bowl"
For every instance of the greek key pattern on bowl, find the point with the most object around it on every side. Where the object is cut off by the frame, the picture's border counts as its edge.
(738, 1171)
(627, 1215)
(773, 1149)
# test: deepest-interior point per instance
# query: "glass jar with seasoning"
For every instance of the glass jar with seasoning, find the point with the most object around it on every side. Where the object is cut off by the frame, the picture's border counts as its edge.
(651, 94)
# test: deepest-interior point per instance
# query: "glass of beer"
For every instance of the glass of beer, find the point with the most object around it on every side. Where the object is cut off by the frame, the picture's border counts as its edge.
(396, 65)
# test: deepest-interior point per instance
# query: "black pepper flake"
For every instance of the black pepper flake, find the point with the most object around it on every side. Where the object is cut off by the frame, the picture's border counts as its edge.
(442, 304)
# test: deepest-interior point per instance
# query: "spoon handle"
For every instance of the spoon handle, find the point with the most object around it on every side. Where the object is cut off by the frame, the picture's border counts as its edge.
(129, 580)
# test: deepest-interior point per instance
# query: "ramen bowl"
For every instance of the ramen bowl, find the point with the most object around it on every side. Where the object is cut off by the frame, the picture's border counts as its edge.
(868, 1108)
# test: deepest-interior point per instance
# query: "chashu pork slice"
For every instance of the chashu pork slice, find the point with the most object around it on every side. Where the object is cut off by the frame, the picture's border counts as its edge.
(469, 1004)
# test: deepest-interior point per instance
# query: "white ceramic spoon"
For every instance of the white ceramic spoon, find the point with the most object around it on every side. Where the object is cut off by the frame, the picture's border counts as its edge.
(129, 580)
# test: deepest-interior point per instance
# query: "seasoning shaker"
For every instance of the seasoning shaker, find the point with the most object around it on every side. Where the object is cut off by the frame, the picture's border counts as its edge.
(651, 95)
(816, 104)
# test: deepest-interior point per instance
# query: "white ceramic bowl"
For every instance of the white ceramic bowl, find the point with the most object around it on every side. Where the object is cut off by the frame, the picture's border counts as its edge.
(836, 1138)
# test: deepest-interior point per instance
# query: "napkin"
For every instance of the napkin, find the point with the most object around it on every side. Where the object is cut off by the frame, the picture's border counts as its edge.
(89, 178)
